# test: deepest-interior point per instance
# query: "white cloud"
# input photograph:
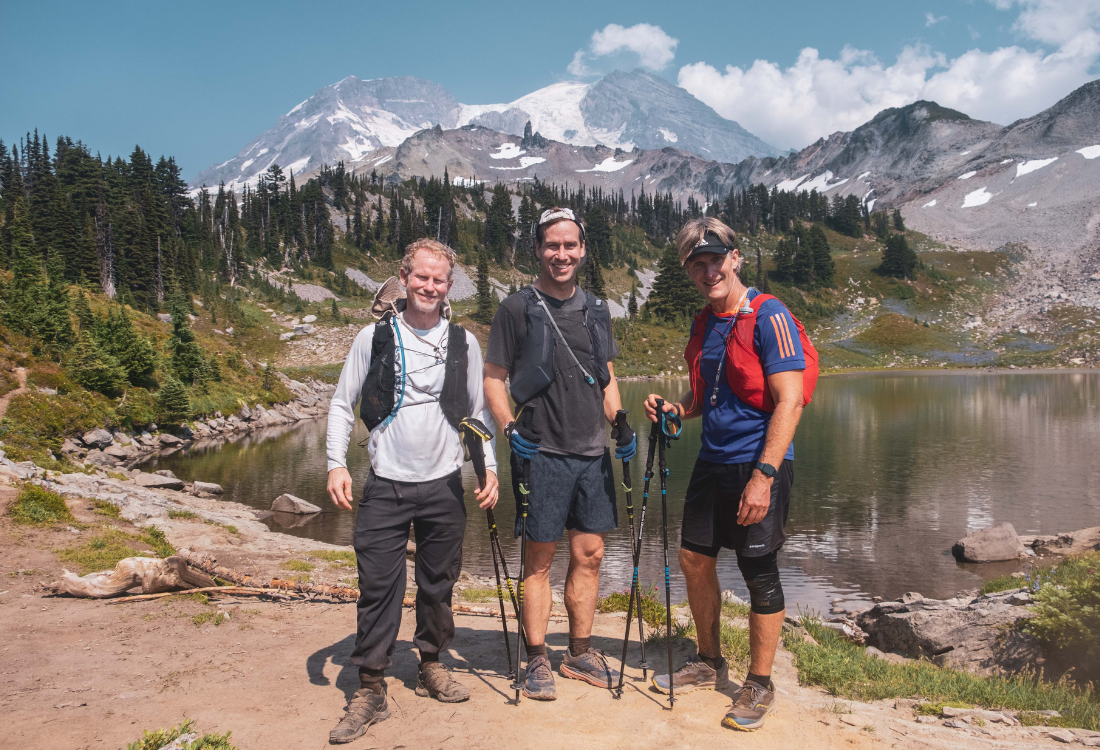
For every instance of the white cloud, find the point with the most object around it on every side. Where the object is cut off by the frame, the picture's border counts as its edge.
(817, 96)
(654, 48)
(931, 19)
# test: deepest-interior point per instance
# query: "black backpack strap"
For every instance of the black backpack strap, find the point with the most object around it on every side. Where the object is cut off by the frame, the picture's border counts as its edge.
(454, 400)
(377, 395)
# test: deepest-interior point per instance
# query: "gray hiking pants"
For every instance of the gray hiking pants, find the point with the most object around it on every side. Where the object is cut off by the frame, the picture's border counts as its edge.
(438, 516)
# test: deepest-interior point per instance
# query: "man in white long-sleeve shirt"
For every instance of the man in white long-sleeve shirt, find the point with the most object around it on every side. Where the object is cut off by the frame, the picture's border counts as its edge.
(415, 376)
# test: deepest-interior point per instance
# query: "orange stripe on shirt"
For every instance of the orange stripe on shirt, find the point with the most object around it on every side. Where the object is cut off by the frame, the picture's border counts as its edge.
(779, 338)
(787, 329)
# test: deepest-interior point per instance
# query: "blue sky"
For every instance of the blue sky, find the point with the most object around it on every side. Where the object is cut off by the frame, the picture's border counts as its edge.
(199, 80)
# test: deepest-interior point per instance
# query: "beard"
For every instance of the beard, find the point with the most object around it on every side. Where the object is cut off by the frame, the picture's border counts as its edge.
(422, 306)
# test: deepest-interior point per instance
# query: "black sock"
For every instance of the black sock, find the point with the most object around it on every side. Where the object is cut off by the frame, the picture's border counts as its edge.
(714, 662)
(578, 646)
(764, 681)
(427, 658)
(372, 679)
(533, 650)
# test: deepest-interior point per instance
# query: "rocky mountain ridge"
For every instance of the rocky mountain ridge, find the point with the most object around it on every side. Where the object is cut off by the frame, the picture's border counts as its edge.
(352, 119)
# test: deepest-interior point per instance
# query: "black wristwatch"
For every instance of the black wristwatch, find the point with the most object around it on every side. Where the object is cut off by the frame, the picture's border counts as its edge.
(766, 469)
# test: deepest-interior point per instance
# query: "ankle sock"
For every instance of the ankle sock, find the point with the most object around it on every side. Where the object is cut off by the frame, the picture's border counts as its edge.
(372, 679)
(578, 646)
(714, 662)
(764, 681)
(533, 650)
(427, 658)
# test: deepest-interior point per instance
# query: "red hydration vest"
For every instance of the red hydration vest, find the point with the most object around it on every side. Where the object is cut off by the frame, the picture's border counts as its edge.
(744, 372)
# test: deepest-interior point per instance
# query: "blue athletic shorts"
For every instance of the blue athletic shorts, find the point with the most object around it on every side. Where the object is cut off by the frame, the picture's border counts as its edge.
(567, 492)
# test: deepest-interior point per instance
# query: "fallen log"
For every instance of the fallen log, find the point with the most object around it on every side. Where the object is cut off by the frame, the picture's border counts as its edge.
(152, 574)
(209, 564)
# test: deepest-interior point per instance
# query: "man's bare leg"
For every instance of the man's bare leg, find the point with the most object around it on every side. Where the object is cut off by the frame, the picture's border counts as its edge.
(536, 591)
(582, 582)
(764, 632)
(704, 597)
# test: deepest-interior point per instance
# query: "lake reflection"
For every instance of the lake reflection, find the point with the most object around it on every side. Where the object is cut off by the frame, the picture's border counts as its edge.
(890, 470)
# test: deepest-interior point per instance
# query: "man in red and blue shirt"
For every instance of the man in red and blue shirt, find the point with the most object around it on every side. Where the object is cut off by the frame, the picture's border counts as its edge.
(746, 362)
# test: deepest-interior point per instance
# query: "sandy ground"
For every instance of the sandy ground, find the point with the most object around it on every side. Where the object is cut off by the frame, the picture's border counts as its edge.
(87, 674)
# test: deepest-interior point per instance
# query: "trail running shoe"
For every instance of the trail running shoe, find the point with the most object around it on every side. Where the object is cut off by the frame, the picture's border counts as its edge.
(695, 675)
(434, 679)
(753, 703)
(539, 684)
(592, 667)
(366, 707)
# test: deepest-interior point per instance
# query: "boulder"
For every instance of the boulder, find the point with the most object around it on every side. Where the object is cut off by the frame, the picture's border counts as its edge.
(296, 505)
(99, 458)
(208, 488)
(303, 330)
(164, 317)
(979, 635)
(989, 545)
(122, 438)
(286, 336)
(165, 473)
(309, 318)
(71, 448)
(167, 439)
(158, 482)
(244, 413)
(97, 438)
(121, 452)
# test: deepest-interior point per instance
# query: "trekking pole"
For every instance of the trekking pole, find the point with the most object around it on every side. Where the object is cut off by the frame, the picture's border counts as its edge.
(474, 434)
(524, 491)
(636, 550)
(663, 469)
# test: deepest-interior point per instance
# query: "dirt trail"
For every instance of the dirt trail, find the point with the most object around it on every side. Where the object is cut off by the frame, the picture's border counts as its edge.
(87, 674)
(21, 373)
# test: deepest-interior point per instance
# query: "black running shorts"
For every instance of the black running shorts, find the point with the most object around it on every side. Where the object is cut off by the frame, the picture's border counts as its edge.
(711, 507)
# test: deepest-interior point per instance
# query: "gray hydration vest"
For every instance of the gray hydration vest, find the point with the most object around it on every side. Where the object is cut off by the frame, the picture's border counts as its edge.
(534, 369)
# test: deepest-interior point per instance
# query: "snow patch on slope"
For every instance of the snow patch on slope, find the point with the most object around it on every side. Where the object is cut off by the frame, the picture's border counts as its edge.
(608, 165)
(967, 176)
(508, 151)
(1030, 166)
(1089, 152)
(668, 135)
(978, 198)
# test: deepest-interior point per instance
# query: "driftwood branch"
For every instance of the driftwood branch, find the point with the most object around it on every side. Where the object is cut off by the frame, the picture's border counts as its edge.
(234, 590)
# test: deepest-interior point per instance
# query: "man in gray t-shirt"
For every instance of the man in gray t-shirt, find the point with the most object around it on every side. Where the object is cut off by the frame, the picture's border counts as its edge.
(572, 486)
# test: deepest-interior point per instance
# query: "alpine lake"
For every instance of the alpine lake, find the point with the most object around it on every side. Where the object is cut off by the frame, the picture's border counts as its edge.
(890, 470)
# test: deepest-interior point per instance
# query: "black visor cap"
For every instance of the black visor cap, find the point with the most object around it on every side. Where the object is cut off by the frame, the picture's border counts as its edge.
(709, 244)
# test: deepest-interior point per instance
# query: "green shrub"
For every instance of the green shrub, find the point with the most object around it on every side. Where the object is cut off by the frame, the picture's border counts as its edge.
(653, 612)
(137, 408)
(161, 737)
(1067, 606)
(1003, 583)
(38, 422)
(94, 369)
(39, 507)
(103, 552)
(300, 566)
(106, 508)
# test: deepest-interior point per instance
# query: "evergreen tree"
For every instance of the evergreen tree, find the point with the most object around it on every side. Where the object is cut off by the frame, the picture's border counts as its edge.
(762, 284)
(824, 268)
(94, 369)
(188, 363)
(55, 328)
(593, 278)
(84, 314)
(173, 403)
(785, 253)
(899, 223)
(674, 295)
(486, 299)
(335, 309)
(632, 303)
(898, 259)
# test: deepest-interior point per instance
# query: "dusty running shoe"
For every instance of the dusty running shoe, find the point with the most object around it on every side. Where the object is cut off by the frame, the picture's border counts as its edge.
(695, 675)
(539, 684)
(366, 707)
(434, 679)
(592, 667)
(753, 703)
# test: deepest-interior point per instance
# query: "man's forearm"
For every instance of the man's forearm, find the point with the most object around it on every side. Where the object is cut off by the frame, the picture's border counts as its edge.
(780, 433)
(496, 398)
(612, 401)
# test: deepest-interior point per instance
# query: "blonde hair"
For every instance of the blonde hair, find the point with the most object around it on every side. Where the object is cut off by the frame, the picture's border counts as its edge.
(438, 249)
(692, 234)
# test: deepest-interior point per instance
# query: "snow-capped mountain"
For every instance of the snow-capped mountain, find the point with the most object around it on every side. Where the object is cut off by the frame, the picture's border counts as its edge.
(349, 120)
(342, 122)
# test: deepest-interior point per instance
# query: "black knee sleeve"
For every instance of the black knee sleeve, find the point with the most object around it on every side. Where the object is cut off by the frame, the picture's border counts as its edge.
(762, 577)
